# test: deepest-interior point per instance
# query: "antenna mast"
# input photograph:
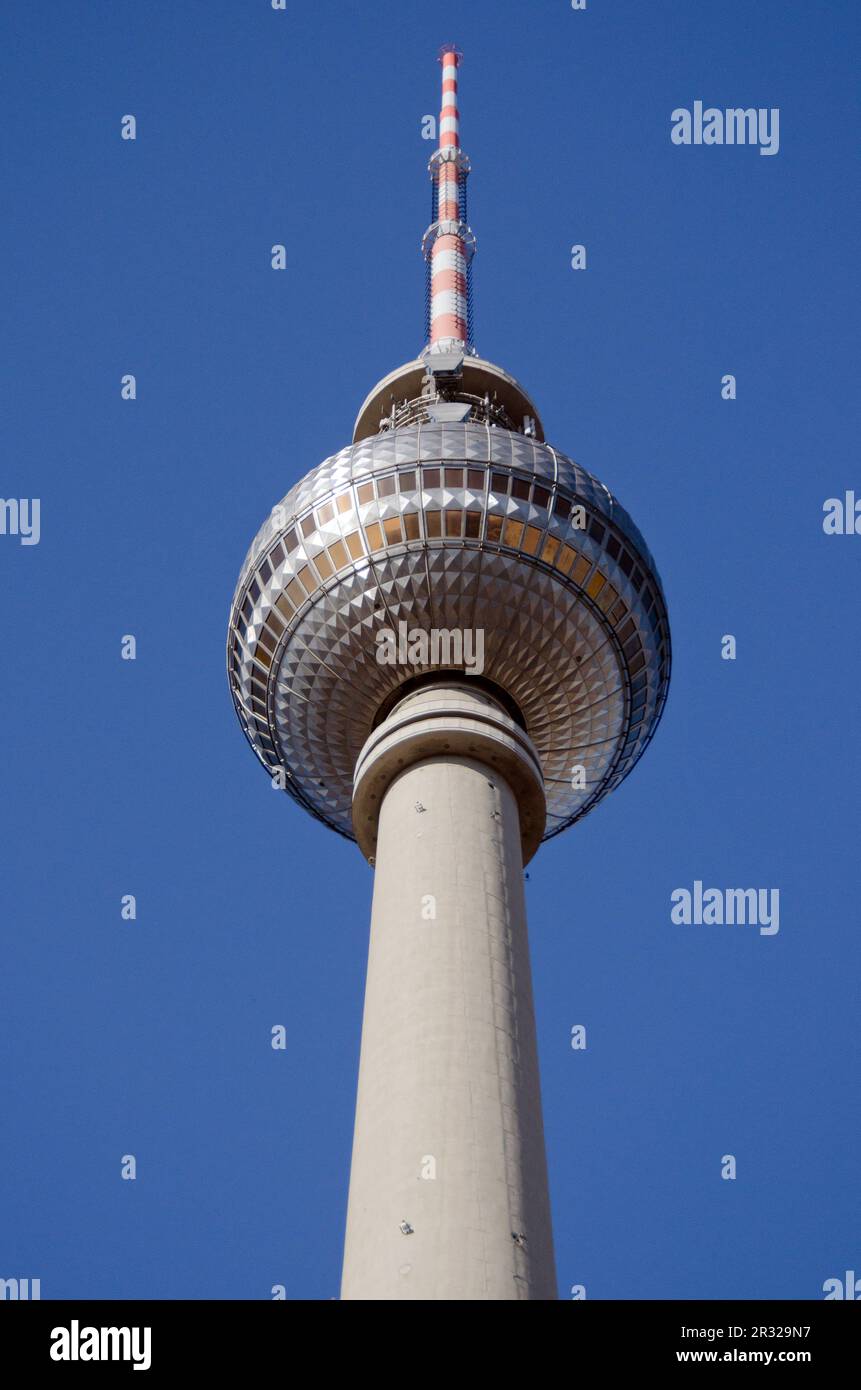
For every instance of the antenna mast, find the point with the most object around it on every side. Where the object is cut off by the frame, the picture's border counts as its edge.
(448, 244)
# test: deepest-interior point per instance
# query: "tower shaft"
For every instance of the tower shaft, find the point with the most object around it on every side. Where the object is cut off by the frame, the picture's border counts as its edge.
(449, 1137)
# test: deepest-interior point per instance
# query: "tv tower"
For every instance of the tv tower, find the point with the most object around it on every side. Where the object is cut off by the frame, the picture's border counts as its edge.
(447, 528)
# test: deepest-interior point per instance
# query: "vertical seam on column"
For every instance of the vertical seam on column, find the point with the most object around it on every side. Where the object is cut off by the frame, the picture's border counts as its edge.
(461, 928)
(513, 1044)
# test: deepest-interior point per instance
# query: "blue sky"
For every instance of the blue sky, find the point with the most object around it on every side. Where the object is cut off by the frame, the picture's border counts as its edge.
(152, 257)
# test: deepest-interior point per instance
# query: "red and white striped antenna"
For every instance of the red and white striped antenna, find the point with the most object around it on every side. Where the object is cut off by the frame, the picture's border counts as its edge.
(448, 244)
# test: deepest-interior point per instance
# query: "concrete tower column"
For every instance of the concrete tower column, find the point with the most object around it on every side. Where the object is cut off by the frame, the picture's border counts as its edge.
(448, 1186)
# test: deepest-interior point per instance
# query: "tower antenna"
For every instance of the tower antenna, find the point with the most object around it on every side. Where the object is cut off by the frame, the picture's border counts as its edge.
(448, 244)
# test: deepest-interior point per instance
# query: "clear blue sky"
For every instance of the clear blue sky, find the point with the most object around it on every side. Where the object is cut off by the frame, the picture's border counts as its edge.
(152, 257)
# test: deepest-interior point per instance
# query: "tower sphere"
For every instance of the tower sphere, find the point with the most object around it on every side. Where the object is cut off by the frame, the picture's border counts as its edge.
(459, 525)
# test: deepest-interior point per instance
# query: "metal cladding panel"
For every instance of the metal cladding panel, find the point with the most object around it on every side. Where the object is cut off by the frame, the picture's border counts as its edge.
(466, 527)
